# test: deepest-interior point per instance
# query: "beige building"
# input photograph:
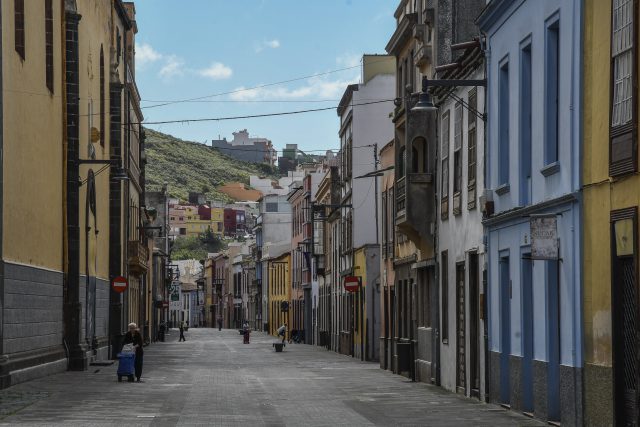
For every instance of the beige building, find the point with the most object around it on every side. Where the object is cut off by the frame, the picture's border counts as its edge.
(60, 135)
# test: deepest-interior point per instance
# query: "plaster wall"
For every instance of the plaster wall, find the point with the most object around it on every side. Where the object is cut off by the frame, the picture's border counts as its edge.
(33, 168)
(461, 234)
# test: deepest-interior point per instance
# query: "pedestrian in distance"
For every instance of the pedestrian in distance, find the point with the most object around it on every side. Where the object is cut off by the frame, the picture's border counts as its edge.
(282, 332)
(219, 323)
(182, 338)
(134, 337)
(245, 332)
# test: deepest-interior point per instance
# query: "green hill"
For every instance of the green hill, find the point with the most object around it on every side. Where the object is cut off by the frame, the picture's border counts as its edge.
(190, 166)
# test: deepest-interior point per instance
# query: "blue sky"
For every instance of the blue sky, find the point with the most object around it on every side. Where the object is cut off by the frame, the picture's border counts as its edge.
(193, 48)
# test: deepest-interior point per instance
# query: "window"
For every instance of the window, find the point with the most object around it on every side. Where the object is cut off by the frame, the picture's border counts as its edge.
(272, 207)
(18, 6)
(102, 98)
(48, 30)
(552, 76)
(391, 223)
(503, 124)
(444, 266)
(444, 204)
(384, 224)
(525, 125)
(622, 146)
(457, 149)
(471, 149)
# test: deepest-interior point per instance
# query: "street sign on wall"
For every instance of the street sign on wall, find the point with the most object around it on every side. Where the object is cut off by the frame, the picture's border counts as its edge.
(544, 237)
(174, 296)
(351, 283)
(119, 284)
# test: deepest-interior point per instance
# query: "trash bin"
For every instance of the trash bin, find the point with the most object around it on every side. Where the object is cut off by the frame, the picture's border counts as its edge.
(278, 346)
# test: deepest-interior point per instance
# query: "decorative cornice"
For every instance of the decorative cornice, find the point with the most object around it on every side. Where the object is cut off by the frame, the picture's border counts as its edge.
(402, 33)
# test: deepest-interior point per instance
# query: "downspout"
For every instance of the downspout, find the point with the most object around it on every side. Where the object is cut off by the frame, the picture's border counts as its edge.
(72, 305)
(1, 192)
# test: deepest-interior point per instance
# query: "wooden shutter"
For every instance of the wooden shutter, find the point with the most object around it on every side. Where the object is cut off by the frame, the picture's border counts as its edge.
(623, 109)
(48, 31)
(19, 27)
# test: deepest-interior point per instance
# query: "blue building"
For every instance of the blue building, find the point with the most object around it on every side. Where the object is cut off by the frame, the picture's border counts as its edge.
(533, 53)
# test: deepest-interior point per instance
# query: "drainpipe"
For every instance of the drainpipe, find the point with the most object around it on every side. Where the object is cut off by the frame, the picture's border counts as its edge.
(72, 305)
(1, 186)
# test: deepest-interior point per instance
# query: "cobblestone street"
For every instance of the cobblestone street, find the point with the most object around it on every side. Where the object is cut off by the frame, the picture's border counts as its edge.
(213, 379)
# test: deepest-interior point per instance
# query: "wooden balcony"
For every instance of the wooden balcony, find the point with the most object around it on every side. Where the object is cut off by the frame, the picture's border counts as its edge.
(138, 257)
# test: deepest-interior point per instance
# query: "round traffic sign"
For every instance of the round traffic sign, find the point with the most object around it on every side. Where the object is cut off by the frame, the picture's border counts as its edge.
(119, 284)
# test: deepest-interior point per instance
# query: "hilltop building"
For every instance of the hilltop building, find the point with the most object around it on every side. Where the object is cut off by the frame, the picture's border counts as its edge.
(247, 149)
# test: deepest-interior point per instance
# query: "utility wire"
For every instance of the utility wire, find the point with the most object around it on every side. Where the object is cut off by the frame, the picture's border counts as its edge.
(252, 116)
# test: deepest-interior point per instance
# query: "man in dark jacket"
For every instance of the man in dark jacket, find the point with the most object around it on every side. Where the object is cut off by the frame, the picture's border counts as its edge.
(134, 337)
(182, 338)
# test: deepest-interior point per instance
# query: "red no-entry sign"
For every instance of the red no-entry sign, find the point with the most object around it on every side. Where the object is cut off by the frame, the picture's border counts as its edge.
(119, 284)
(351, 283)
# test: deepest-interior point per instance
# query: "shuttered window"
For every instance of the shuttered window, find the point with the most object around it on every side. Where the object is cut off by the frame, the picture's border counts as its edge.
(19, 27)
(444, 200)
(622, 150)
(48, 31)
(471, 150)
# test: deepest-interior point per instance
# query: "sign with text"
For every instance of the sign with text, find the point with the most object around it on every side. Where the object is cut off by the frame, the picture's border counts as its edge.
(544, 237)
(174, 296)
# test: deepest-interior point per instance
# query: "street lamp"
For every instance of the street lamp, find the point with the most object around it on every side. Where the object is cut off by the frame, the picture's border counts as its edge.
(424, 99)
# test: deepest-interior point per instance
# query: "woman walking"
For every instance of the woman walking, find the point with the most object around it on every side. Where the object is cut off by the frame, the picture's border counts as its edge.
(133, 337)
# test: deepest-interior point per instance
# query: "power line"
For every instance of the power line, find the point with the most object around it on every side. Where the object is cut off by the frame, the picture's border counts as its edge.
(252, 116)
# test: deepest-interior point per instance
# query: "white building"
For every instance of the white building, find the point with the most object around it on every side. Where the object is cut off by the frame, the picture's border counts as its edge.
(460, 232)
(365, 126)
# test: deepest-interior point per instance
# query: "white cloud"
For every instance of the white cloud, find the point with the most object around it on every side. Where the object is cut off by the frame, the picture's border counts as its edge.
(173, 66)
(267, 44)
(146, 54)
(217, 71)
(320, 87)
(273, 44)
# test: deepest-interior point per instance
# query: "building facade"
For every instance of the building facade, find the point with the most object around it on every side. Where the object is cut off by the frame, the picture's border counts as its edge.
(611, 197)
(534, 74)
(460, 230)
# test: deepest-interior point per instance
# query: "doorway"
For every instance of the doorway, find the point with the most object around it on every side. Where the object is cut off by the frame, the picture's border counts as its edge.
(474, 324)
(553, 337)
(461, 359)
(527, 334)
(505, 330)
(625, 294)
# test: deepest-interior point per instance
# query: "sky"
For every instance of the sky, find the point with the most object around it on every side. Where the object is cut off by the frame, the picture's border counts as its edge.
(189, 49)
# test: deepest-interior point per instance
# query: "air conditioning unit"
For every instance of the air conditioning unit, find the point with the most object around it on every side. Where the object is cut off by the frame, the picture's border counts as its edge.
(486, 202)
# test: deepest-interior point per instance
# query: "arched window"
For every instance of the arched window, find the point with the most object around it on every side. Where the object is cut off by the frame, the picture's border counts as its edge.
(402, 158)
(419, 156)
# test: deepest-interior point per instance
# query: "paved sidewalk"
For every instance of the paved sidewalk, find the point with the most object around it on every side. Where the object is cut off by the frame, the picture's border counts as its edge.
(213, 379)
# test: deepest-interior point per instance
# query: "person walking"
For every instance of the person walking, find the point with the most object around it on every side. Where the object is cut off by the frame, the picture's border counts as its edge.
(182, 338)
(245, 332)
(219, 323)
(282, 332)
(134, 337)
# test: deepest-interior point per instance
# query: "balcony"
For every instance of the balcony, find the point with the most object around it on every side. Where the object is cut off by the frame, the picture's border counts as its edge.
(138, 257)
(415, 191)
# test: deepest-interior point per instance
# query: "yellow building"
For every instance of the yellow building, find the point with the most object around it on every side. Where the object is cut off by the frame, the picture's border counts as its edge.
(279, 291)
(196, 227)
(60, 124)
(611, 198)
(217, 221)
